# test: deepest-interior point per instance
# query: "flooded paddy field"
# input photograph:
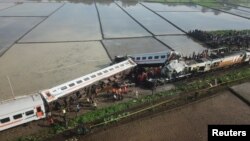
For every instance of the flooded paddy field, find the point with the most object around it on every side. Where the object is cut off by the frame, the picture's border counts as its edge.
(181, 124)
(151, 21)
(232, 9)
(13, 28)
(173, 7)
(33, 67)
(133, 46)
(117, 24)
(72, 22)
(31, 9)
(5, 5)
(208, 21)
(183, 44)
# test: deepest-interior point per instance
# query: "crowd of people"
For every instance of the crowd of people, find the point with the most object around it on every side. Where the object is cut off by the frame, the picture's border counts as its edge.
(231, 38)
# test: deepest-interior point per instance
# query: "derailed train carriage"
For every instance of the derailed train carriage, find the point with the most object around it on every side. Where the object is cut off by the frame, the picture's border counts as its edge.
(21, 110)
(174, 67)
(28, 108)
(178, 68)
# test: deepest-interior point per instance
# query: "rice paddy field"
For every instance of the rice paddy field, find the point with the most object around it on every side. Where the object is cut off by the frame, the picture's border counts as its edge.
(42, 41)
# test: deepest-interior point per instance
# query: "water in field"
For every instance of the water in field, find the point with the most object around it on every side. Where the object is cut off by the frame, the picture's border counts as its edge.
(72, 22)
(182, 44)
(117, 24)
(232, 9)
(13, 28)
(31, 9)
(206, 21)
(6, 5)
(150, 20)
(33, 67)
(167, 7)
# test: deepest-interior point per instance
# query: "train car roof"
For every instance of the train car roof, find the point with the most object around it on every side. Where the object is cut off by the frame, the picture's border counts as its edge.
(56, 92)
(20, 103)
(152, 53)
(177, 65)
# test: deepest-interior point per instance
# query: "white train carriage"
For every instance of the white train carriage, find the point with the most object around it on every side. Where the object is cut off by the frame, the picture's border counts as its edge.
(21, 110)
(150, 58)
(62, 90)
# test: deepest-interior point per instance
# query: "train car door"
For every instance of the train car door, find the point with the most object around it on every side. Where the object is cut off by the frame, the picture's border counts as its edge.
(39, 112)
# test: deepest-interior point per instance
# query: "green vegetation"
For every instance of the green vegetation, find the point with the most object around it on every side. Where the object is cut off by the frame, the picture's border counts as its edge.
(229, 32)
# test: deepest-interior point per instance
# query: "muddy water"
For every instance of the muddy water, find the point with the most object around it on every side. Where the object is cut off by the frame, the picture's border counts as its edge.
(31, 9)
(33, 67)
(185, 124)
(151, 21)
(183, 44)
(133, 46)
(72, 22)
(117, 24)
(12, 28)
(206, 21)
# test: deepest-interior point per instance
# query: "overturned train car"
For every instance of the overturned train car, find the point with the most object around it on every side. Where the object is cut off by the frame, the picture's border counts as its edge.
(179, 68)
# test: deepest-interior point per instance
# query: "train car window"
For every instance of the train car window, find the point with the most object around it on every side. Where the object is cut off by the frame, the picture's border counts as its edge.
(5, 120)
(17, 116)
(86, 79)
(150, 57)
(138, 58)
(156, 57)
(31, 112)
(72, 84)
(116, 67)
(143, 58)
(105, 71)
(99, 73)
(111, 69)
(79, 81)
(93, 76)
(201, 68)
(64, 87)
(122, 65)
(163, 56)
(48, 94)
